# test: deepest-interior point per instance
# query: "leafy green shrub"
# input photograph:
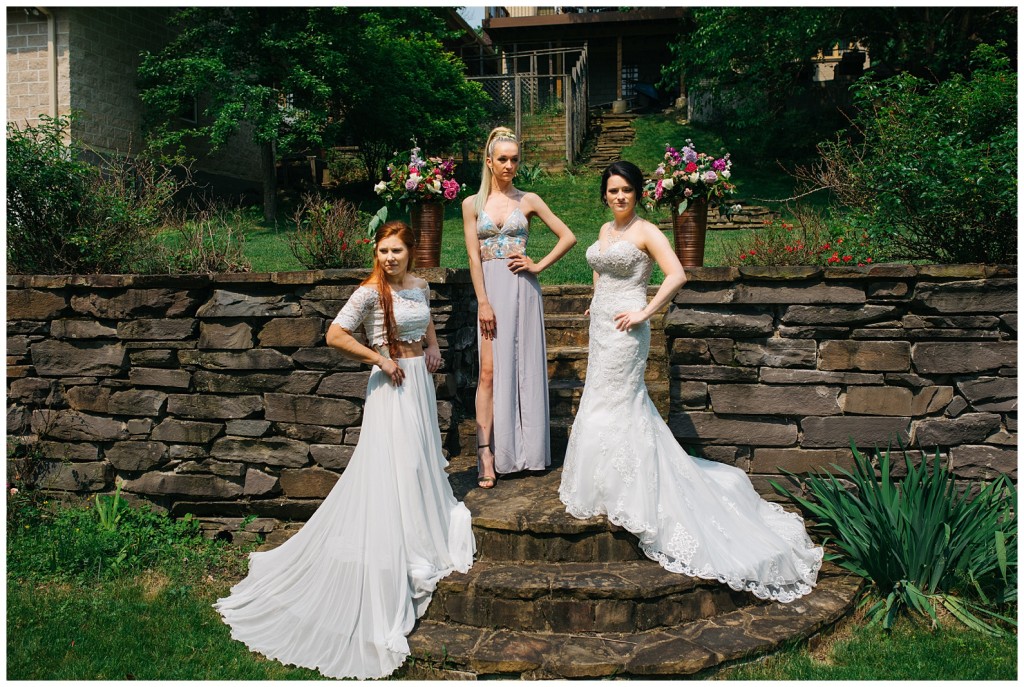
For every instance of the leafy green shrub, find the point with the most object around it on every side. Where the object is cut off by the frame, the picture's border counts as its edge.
(74, 543)
(931, 169)
(329, 235)
(204, 241)
(65, 215)
(922, 544)
(807, 240)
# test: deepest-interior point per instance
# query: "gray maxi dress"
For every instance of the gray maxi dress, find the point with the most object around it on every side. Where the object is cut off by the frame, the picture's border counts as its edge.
(521, 439)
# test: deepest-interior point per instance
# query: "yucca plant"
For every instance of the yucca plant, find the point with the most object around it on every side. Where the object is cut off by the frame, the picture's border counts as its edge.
(921, 543)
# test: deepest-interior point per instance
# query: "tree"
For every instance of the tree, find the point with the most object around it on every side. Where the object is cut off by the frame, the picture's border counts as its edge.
(300, 77)
(755, 59)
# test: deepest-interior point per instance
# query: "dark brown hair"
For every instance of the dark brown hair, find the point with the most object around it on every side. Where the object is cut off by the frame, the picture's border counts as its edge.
(407, 236)
(628, 171)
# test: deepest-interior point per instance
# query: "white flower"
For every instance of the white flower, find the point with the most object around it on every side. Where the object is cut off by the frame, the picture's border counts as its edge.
(415, 178)
(437, 185)
(726, 174)
(379, 188)
(694, 177)
(667, 183)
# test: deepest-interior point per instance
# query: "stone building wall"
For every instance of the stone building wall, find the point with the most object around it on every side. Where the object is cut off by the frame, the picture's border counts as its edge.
(28, 67)
(779, 368)
(212, 395)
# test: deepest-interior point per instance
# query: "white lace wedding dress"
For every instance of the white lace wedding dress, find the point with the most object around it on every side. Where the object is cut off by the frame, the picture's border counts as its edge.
(693, 516)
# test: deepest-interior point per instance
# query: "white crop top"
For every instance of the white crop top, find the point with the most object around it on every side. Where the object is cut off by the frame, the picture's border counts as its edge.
(411, 308)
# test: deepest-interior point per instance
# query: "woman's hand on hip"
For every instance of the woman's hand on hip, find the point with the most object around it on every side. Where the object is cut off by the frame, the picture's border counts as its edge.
(625, 321)
(522, 263)
(488, 323)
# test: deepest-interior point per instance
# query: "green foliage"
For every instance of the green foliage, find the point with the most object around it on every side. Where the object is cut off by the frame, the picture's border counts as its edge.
(407, 87)
(932, 169)
(66, 216)
(755, 62)
(528, 174)
(303, 77)
(925, 543)
(105, 541)
(329, 235)
(204, 241)
(108, 509)
(809, 239)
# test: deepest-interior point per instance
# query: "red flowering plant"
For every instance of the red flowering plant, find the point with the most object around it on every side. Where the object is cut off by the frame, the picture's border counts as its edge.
(329, 234)
(807, 240)
(419, 180)
(688, 175)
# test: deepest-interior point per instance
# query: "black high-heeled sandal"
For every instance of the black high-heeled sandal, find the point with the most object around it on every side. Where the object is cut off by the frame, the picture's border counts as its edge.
(484, 482)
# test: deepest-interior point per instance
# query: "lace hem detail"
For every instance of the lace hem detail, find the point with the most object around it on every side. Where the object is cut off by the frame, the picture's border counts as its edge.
(783, 592)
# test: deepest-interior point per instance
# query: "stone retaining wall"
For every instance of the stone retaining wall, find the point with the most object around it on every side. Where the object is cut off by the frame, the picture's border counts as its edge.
(212, 395)
(216, 395)
(780, 367)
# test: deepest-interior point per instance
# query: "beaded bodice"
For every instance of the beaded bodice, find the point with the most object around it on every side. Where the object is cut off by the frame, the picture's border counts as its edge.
(505, 241)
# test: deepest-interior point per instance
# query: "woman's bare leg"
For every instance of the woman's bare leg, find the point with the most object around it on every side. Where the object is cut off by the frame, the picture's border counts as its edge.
(485, 412)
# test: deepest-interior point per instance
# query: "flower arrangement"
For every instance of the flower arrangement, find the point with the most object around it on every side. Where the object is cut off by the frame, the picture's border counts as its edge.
(420, 180)
(686, 176)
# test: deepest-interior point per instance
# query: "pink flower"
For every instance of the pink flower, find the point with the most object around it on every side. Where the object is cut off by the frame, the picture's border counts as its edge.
(658, 191)
(451, 189)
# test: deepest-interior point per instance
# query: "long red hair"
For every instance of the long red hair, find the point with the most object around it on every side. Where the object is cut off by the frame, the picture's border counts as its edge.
(407, 236)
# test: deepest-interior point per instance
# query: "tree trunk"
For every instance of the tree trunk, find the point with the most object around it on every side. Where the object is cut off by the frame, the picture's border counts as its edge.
(269, 181)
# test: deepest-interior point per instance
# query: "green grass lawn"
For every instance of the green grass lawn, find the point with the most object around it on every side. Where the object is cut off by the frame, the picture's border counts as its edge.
(155, 626)
(574, 198)
(911, 651)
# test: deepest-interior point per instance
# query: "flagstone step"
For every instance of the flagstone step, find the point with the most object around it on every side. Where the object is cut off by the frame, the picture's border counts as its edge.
(522, 519)
(579, 597)
(678, 651)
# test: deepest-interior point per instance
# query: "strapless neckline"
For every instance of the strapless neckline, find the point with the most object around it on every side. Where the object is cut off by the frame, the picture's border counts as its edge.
(610, 246)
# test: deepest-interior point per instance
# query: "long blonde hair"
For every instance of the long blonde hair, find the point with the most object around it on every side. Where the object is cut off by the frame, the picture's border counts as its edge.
(501, 134)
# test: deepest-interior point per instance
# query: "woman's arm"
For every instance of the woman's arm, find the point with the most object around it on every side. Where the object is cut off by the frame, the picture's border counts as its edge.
(431, 352)
(485, 313)
(566, 239)
(658, 247)
(343, 340)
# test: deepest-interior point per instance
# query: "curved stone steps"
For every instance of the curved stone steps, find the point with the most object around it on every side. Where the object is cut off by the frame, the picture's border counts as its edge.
(578, 597)
(664, 652)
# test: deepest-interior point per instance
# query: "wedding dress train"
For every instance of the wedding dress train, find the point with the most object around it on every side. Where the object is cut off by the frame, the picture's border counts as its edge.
(693, 516)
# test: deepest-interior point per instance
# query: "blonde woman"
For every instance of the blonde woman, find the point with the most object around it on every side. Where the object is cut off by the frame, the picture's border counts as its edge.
(512, 415)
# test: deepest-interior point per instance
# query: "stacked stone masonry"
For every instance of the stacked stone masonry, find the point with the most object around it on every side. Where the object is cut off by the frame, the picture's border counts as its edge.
(212, 395)
(216, 395)
(781, 368)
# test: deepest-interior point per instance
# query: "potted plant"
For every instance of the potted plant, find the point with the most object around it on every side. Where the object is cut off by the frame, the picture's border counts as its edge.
(424, 185)
(689, 182)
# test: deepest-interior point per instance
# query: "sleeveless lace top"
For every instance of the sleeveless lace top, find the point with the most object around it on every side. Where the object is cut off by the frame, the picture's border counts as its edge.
(411, 308)
(623, 272)
(504, 241)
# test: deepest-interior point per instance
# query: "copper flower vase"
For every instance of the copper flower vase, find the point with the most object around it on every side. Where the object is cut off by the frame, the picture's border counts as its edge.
(427, 220)
(690, 228)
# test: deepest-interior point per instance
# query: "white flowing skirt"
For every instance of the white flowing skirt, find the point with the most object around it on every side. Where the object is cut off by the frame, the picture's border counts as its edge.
(341, 595)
